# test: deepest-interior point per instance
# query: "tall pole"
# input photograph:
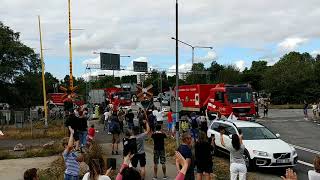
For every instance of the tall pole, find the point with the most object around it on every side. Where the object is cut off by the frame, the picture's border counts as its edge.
(70, 47)
(43, 79)
(192, 56)
(177, 71)
(160, 91)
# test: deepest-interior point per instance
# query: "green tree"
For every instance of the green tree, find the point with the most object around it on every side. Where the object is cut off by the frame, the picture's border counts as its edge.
(19, 67)
(292, 79)
(230, 75)
(129, 79)
(214, 70)
(255, 75)
(196, 76)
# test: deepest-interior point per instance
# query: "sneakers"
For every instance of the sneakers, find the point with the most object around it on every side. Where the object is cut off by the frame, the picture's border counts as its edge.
(154, 178)
(112, 153)
(117, 153)
(165, 177)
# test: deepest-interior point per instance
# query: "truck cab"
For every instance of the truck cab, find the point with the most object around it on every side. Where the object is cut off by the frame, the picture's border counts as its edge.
(226, 99)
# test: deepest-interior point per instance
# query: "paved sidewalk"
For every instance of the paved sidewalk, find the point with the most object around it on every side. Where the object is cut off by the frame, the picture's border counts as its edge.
(13, 169)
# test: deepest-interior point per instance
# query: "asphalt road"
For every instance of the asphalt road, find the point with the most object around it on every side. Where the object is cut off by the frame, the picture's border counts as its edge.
(303, 134)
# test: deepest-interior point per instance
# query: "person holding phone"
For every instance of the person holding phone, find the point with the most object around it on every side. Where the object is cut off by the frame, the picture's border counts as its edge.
(236, 149)
(97, 170)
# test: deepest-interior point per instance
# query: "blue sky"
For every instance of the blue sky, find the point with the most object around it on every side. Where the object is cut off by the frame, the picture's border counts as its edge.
(239, 31)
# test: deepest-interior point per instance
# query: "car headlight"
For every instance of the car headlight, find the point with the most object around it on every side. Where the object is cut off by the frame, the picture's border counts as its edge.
(260, 153)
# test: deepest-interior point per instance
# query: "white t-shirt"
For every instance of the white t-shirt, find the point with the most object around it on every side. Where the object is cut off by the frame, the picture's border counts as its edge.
(314, 107)
(101, 177)
(313, 175)
(158, 115)
(106, 115)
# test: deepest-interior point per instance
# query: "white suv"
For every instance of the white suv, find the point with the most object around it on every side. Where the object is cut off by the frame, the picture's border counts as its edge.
(263, 148)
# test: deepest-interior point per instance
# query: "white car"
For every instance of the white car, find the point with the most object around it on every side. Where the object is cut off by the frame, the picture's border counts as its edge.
(262, 147)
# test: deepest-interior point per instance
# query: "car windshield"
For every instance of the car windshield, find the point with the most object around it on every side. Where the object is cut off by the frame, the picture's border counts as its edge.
(239, 95)
(255, 133)
(124, 95)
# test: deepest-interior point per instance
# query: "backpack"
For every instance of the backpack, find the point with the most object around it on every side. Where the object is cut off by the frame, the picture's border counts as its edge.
(114, 127)
(194, 122)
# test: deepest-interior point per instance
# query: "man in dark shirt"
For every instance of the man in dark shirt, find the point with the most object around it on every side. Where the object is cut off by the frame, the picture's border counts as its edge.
(159, 151)
(185, 150)
(130, 117)
(73, 123)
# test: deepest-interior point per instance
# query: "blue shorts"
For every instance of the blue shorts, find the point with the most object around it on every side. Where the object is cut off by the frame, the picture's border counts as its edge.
(169, 125)
(70, 177)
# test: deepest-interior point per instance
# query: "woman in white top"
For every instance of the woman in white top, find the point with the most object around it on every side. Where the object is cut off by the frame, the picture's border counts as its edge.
(96, 170)
(315, 174)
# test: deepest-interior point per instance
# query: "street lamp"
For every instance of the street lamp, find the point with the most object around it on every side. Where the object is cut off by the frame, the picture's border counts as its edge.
(193, 47)
(177, 71)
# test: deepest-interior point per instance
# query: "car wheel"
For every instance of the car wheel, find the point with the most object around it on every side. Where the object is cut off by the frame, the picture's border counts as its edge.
(249, 163)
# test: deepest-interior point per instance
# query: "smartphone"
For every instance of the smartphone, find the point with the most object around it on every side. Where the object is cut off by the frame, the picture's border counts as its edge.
(212, 136)
(111, 163)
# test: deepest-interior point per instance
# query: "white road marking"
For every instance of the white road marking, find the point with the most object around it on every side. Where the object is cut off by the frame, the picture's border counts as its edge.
(305, 163)
(305, 149)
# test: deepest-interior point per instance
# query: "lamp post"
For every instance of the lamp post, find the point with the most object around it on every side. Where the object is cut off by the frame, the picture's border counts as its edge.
(177, 71)
(193, 47)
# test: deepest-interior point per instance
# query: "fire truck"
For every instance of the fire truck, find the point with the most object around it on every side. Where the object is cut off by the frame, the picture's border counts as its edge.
(218, 99)
(118, 96)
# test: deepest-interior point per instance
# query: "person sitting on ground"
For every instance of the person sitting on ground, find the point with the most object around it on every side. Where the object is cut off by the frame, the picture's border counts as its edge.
(97, 170)
(71, 159)
(315, 174)
(159, 152)
(203, 157)
(115, 130)
(31, 174)
(140, 156)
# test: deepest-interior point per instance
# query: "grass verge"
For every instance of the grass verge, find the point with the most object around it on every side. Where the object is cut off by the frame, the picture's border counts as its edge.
(286, 106)
(32, 152)
(55, 130)
(57, 167)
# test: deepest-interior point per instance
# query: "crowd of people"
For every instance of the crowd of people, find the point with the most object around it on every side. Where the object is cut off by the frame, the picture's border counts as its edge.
(193, 156)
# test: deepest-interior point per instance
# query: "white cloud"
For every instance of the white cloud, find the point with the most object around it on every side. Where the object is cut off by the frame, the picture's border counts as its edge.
(241, 64)
(290, 44)
(183, 68)
(91, 61)
(210, 56)
(315, 53)
(144, 27)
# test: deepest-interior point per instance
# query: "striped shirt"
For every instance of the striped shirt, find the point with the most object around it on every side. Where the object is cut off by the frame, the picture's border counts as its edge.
(72, 165)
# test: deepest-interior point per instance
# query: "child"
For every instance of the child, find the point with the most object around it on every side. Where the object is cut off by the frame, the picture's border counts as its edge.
(71, 159)
(91, 132)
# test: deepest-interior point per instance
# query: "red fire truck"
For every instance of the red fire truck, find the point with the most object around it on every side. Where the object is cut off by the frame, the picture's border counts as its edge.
(58, 99)
(220, 99)
(118, 97)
